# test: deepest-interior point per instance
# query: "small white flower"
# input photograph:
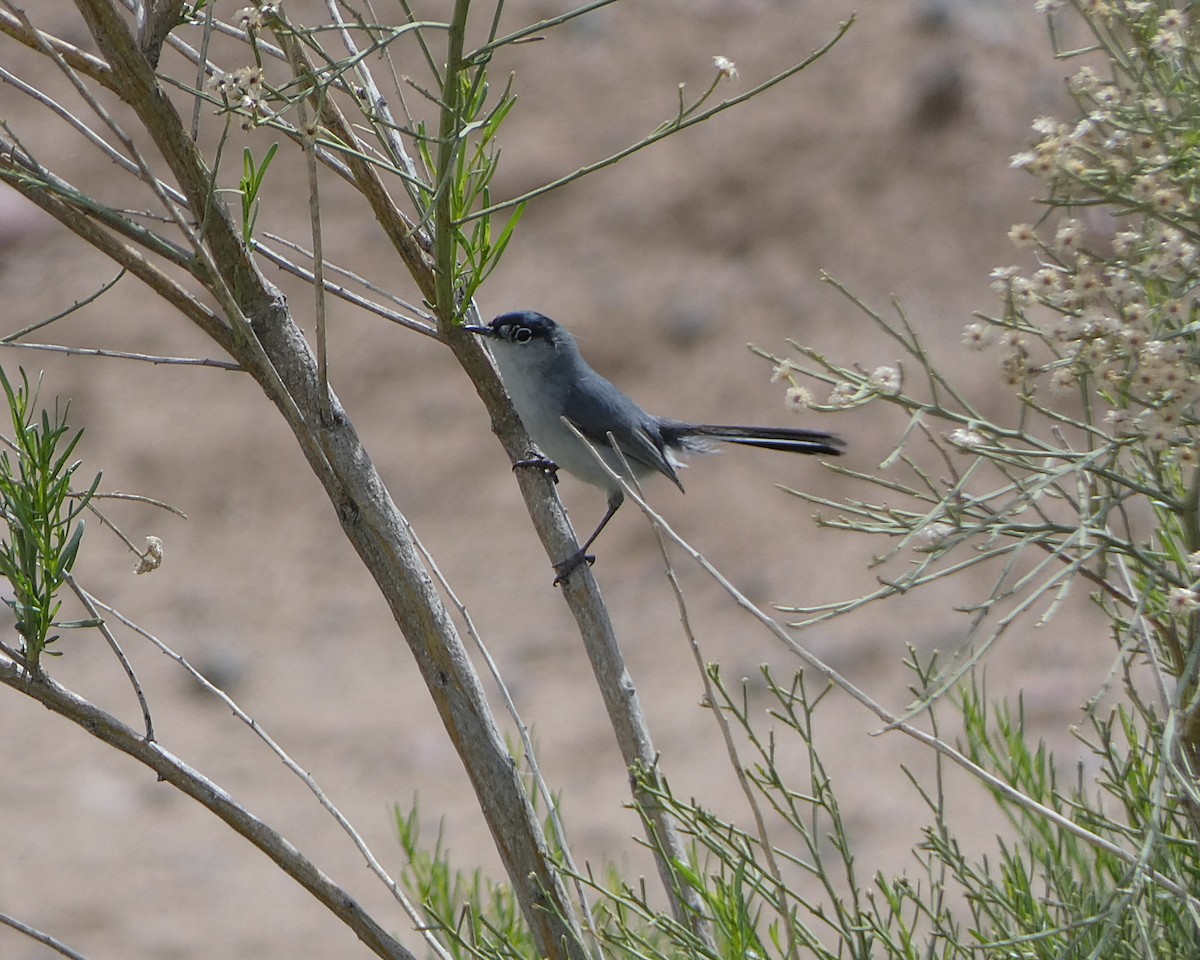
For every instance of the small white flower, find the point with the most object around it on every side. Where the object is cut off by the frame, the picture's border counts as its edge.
(1193, 563)
(1182, 601)
(781, 370)
(254, 18)
(1125, 241)
(933, 536)
(1086, 79)
(1172, 19)
(1186, 457)
(1166, 42)
(1002, 278)
(798, 398)
(1119, 283)
(962, 437)
(886, 381)
(842, 395)
(1085, 128)
(1048, 282)
(1023, 236)
(725, 67)
(1068, 233)
(976, 336)
(1123, 423)
(1062, 379)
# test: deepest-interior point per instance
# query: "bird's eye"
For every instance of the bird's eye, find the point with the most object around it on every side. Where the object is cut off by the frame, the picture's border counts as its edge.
(522, 334)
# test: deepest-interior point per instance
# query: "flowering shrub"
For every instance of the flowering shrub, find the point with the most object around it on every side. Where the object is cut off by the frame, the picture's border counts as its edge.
(1096, 476)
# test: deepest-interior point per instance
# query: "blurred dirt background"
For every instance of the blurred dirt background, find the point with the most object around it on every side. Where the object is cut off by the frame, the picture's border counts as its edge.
(887, 164)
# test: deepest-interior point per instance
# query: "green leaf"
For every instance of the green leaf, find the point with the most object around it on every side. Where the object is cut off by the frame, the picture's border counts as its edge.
(76, 624)
(69, 552)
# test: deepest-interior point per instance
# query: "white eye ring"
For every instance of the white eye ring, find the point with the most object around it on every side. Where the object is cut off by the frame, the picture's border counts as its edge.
(522, 334)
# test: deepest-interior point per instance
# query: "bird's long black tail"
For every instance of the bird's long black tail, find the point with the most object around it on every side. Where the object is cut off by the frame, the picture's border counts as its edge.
(770, 438)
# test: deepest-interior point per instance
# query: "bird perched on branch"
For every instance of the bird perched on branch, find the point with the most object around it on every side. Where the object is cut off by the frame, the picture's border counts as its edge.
(560, 399)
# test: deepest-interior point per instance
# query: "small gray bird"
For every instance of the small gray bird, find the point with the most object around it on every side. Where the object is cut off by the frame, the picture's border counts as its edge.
(550, 382)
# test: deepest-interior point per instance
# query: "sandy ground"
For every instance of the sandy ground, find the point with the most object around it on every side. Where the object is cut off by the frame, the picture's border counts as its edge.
(886, 164)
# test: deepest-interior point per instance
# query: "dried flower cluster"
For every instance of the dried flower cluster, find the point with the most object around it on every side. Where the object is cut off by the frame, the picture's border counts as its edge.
(1096, 337)
(1109, 307)
(255, 18)
(241, 89)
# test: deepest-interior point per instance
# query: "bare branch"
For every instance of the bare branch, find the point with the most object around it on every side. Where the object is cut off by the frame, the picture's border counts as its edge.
(297, 770)
(138, 498)
(425, 329)
(77, 305)
(110, 152)
(22, 171)
(123, 355)
(35, 39)
(667, 129)
(120, 253)
(530, 755)
(213, 798)
(105, 632)
(44, 938)
(308, 136)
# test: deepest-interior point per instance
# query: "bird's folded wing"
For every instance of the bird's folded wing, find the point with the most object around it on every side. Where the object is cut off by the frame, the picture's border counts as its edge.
(641, 447)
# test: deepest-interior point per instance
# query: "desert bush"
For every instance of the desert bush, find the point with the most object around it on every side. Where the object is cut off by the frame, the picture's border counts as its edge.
(1093, 481)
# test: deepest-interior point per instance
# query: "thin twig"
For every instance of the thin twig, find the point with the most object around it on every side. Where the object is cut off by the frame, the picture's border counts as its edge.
(123, 355)
(77, 305)
(137, 498)
(388, 129)
(202, 65)
(739, 769)
(49, 103)
(304, 776)
(86, 599)
(425, 329)
(23, 172)
(666, 130)
(308, 132)
(125, 255)
(532, 30)
(43, 938)
(103, 726)
(413, 308)
(87, 64)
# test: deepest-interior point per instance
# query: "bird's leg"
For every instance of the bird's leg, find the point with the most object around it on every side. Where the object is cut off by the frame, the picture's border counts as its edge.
(539, 462)
(564, 568)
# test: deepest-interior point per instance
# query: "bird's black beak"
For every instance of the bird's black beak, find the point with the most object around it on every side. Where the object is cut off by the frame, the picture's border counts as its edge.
(481, 331)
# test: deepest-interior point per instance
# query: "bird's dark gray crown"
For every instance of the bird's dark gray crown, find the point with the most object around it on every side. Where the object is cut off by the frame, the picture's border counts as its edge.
(523, 327)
